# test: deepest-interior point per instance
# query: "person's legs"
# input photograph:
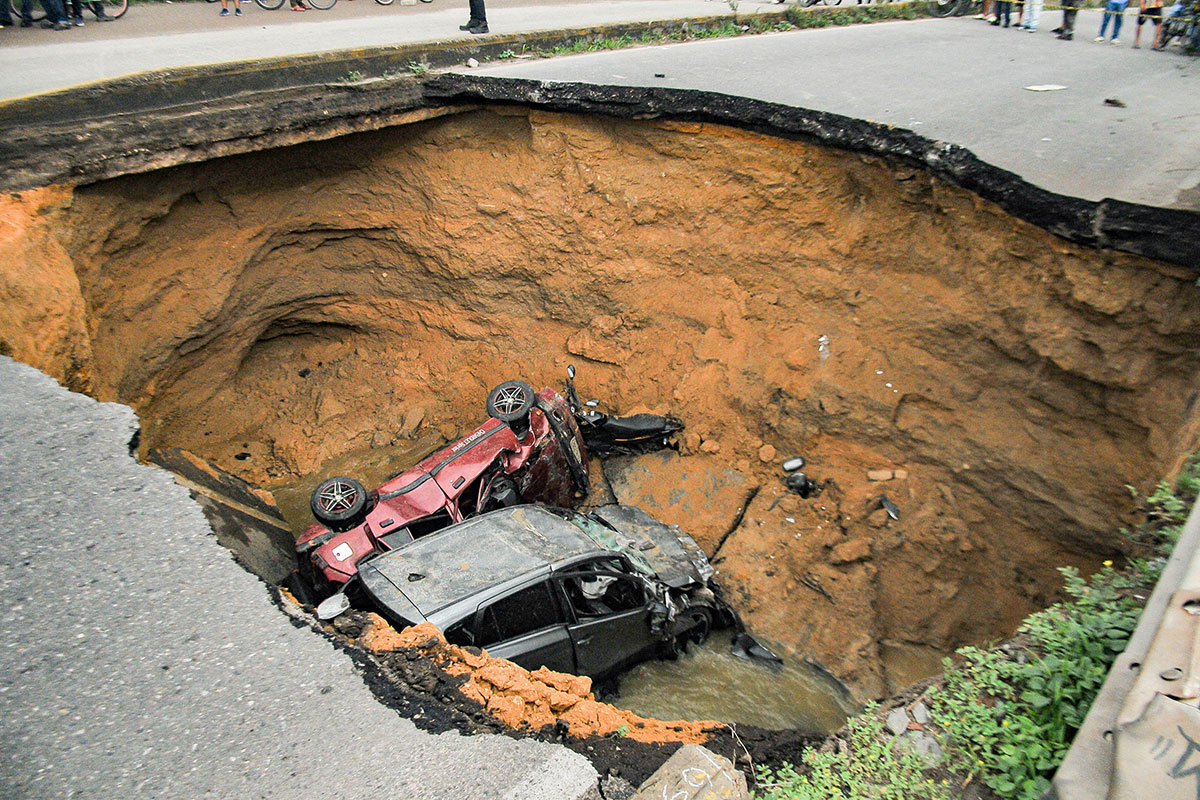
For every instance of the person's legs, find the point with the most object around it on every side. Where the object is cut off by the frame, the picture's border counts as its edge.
(1068, 23)
(1104, 21)
(26, 13)
(1118, 18)
(1035, 15)
(478, 21)
(56, 14)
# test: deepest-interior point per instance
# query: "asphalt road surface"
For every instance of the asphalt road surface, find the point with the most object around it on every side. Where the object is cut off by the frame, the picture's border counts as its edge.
(137, 660)
(961, 81)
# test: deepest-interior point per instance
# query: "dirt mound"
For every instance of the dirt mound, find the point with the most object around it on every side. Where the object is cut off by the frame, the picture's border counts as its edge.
(273, 311)
(526, 700)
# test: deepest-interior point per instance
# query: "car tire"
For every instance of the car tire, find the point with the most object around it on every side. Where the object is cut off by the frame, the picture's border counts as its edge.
(339, 503)
(511, 402)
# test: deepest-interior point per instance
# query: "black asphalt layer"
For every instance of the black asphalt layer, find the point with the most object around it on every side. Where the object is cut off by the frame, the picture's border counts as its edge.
(137, 660)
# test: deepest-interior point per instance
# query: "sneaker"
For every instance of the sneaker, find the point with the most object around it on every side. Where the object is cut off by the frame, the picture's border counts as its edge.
(1057, 30)
(1066, 37)
(1098, 40)
(1032, 30)
(478, 28)
(237, 12)
(1115, 41)
(78, 21)
(224, 12)
(470, 24)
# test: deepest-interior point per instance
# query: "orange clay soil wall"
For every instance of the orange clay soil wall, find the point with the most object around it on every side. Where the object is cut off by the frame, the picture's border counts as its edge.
(276, 310)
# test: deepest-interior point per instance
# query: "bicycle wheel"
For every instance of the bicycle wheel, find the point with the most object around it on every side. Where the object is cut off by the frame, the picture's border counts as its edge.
(832, 2)
(113, 8)
(385, 2)
(323, 5)
(269, 5)
(942, 8)
(36, 12)
(807, 3)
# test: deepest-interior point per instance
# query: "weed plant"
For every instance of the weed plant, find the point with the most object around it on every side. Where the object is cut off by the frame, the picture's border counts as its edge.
(1006, 716)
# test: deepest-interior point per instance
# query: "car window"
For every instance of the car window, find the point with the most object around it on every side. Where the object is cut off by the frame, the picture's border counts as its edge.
(599, 593)
(528, 610)
(460, 633)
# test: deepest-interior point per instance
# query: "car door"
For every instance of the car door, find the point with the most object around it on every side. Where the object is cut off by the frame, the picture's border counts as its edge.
(612, 616)
(528, 627)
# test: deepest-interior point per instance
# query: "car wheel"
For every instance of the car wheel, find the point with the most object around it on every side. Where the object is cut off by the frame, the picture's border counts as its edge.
(511, 401)
(339, 503)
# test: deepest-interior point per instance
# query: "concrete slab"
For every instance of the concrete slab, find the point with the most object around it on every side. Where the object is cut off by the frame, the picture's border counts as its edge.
(137, 660)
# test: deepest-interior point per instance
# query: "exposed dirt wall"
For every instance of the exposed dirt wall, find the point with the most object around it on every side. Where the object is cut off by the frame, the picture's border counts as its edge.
(271, 311)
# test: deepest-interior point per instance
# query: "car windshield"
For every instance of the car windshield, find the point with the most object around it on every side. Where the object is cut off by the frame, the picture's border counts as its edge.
(609, 539)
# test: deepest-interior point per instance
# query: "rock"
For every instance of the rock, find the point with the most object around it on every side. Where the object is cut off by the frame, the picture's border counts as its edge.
(695, 772)
(710, 446)
(849, 552)
(691, 442)
(923, 744)
(920, 712)
(412, 420)
(766, 454)
(900, 474)
(897, 721)
(614, 787)
(696, 493)
(472, 63)
(879, 474)
(793, 464)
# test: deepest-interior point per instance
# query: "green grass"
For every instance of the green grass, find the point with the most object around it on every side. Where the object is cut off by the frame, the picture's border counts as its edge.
(1006, 716)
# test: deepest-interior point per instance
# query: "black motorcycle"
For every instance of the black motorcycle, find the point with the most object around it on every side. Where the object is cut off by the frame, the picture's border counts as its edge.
(605, 434)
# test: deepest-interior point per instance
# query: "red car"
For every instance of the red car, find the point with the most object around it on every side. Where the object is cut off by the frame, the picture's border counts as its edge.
(529, 451)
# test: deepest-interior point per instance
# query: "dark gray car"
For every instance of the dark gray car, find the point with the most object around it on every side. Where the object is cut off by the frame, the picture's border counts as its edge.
(587, 594)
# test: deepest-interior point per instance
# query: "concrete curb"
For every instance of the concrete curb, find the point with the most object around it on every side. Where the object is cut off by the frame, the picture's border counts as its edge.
(179, 86)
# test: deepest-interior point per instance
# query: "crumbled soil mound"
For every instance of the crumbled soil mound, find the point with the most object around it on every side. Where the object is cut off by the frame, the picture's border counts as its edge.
(526, 700)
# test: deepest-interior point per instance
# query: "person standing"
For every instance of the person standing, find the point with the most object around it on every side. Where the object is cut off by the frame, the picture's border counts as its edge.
(1114, 10)
(1003, 12)
(1066, 31)
(1148, 10)
(1033, 15)
(477, 24)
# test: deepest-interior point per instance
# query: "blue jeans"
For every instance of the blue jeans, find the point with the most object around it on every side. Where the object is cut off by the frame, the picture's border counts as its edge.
(1114, 10)
(55, 12)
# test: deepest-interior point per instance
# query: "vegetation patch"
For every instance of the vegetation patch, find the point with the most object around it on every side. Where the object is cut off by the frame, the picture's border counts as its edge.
(1004, 716)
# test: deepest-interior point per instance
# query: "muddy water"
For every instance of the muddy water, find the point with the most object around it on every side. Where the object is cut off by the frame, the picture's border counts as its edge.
(710, 683)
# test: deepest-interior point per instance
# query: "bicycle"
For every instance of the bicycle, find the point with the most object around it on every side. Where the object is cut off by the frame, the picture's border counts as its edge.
(113, 8)
(808, 3)
(950, 8)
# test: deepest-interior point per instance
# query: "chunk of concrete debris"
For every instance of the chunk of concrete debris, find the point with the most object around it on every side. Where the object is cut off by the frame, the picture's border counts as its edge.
(695, 772)
(879, 474)
(900, 474)
(897, 721)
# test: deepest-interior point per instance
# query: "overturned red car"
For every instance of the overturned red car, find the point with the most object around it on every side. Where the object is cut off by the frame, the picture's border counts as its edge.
(529, 451)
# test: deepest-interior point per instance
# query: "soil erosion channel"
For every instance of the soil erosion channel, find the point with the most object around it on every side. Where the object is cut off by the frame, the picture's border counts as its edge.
(280, 311)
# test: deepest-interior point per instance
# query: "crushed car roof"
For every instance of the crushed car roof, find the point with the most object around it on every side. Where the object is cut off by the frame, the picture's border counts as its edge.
(437, 570)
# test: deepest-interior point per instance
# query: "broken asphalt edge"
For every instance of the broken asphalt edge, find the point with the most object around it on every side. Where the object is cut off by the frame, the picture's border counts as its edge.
(159, 119)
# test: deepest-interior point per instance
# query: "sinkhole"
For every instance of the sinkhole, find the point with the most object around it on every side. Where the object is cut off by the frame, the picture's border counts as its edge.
(344, 306)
